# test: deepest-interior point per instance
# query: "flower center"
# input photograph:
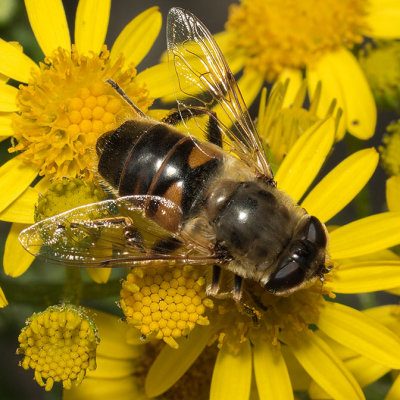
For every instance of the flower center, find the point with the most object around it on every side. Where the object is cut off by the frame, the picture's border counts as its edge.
(293, 34)
(60, 345)
(277, 316)
(67, 105)
(167, 303)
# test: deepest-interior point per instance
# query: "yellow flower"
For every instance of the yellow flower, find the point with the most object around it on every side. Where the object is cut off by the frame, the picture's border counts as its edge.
(63, 104)
(365, 370)
(59, 344)
(381, 65)
(279, 39)
(287, 325)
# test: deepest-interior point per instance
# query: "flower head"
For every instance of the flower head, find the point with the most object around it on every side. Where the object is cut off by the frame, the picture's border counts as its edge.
(165, 302)
(381, 65)
(298, 324)
(59, 344)
(278, 40)
(63, 104)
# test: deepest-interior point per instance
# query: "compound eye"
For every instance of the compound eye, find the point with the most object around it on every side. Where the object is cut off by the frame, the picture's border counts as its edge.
(288, 276)
(316, 232)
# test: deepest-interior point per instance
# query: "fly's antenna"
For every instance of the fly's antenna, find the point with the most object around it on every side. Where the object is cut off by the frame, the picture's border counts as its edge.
(118, 89)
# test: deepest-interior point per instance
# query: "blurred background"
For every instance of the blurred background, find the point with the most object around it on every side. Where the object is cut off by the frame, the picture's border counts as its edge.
(16, 383)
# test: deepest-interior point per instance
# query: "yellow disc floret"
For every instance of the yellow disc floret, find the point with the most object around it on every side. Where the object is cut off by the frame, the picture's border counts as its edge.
(59, 344)
(67, 105)
(275, 34)
(166, 302)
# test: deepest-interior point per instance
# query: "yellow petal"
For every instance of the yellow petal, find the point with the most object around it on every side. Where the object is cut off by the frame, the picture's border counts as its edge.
(250, 84)
(16, 259)
(366, 235)
(8, 95)
(387, 315)
(341, 185)
(138, 36)
(49, 24)
(171, 363)
(158, 81)
(394, 392)
(295, 82)
(299, 378)
(234, 58)
(361, 277)
(14, 63)
(6, 125)
(305, 158)
(105, 389)
(364, 370)
(15, 177)
(393, 193)
(327, 370)
(110, 368)
(357, 331)
(271, 373)
(383, 19)
(112, 331)
(232, 374)
(91, 24)
(99, 275)
(22, 209)
(3, 300)
(342, 79)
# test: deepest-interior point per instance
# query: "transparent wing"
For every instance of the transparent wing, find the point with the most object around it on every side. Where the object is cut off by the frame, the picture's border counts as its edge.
(203, 80)
(114, 233)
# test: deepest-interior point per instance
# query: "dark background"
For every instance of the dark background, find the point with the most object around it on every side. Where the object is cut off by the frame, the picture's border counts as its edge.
(15, 383)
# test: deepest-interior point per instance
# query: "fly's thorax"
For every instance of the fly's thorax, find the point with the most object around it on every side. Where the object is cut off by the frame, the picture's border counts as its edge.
(253, 221)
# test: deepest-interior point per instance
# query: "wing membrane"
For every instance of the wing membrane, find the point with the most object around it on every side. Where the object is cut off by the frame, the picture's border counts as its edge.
(113, 233)
(204, 80)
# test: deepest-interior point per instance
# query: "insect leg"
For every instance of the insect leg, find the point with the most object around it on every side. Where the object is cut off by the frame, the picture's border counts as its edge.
(213, 133)
(213, 289)
(237, 288)
(118, 89)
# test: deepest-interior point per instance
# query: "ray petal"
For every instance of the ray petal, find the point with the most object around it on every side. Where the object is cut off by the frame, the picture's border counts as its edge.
(15, 177)
(365, 236)
(342, 79)
(14, 63)
(91, 25)
(171, 363)
(16, 259)
(49, 24)
(8, 95)
(232, 374)
(305, 158)
(138, 36)
(271, 373)
(367, 276)
(327, 370)
(341, 185)
(360, 333)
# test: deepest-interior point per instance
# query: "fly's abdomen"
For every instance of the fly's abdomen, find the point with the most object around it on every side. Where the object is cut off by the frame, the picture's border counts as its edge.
(143, 157)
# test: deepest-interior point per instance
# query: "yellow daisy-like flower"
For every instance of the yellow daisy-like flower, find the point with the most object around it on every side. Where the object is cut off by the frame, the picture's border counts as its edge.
(63, 104)
(59, 344)
(280, 39)
(285, 322)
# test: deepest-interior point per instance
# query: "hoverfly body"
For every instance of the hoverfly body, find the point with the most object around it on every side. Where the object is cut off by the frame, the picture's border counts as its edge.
(181, 200)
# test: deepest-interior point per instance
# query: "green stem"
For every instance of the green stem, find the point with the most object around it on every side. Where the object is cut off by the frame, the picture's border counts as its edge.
(73, 285)
(49, 294)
